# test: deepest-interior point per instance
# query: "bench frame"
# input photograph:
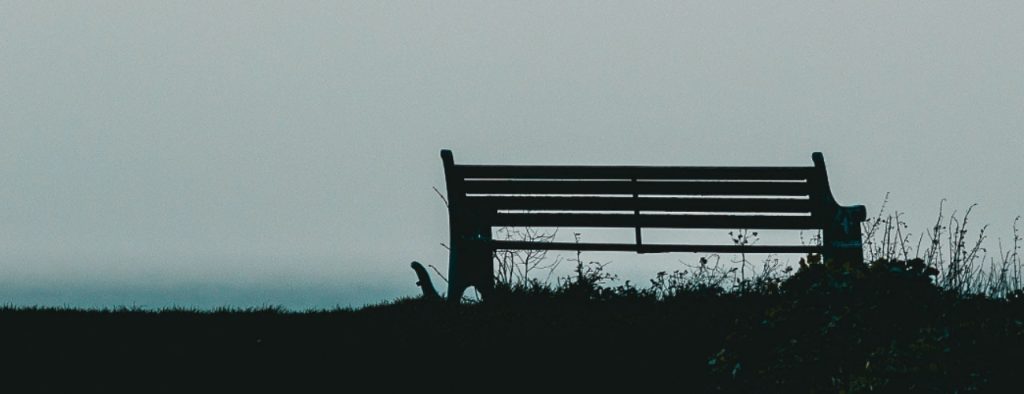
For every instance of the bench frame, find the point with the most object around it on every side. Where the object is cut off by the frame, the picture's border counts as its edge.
(484, 196)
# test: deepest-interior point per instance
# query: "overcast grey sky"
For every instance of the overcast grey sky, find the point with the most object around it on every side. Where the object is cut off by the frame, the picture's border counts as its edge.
(246, 153)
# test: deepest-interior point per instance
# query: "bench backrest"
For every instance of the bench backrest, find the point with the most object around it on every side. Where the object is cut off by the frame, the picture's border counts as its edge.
(784, 198)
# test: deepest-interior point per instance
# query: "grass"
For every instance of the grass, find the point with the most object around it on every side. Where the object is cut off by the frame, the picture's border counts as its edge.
(931, 321)
(879, 328)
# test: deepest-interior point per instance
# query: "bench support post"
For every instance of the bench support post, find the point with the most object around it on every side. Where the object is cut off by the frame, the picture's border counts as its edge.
(842, 236)
(470, 259)
(470, 263)
(841, 233)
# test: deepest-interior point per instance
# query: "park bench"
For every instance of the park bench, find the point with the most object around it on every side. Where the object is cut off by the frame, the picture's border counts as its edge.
(772, 198)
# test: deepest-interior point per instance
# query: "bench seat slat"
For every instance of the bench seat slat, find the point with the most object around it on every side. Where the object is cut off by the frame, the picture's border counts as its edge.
(629, 172)
(667, 204)
(655, 221)
(646, 188)
(653, 248)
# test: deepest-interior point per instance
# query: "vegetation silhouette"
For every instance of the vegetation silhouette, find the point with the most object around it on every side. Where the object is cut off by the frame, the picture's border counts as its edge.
(938, 315)
(883, 326)
(886, 326)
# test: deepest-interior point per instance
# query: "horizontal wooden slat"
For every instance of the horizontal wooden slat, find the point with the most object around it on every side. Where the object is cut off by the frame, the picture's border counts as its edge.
(654, 248)
(627, 187)
(667, 204)
(658, 221)
(630, 172)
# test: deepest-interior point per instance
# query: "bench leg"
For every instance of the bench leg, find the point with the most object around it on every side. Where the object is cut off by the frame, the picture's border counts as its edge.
(842, 238)
(457, 281)
(470, 266)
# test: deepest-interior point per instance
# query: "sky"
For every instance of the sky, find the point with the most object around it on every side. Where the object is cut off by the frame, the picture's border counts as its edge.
(216, 153)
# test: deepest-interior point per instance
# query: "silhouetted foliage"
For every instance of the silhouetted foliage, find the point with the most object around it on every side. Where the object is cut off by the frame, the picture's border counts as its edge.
(901, 323)
(885, 326)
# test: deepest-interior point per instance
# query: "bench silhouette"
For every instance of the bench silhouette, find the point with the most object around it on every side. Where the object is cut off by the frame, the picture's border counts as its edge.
(772, 198)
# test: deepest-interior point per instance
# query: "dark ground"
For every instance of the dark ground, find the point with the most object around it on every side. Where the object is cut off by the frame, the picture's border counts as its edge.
(878, 330)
